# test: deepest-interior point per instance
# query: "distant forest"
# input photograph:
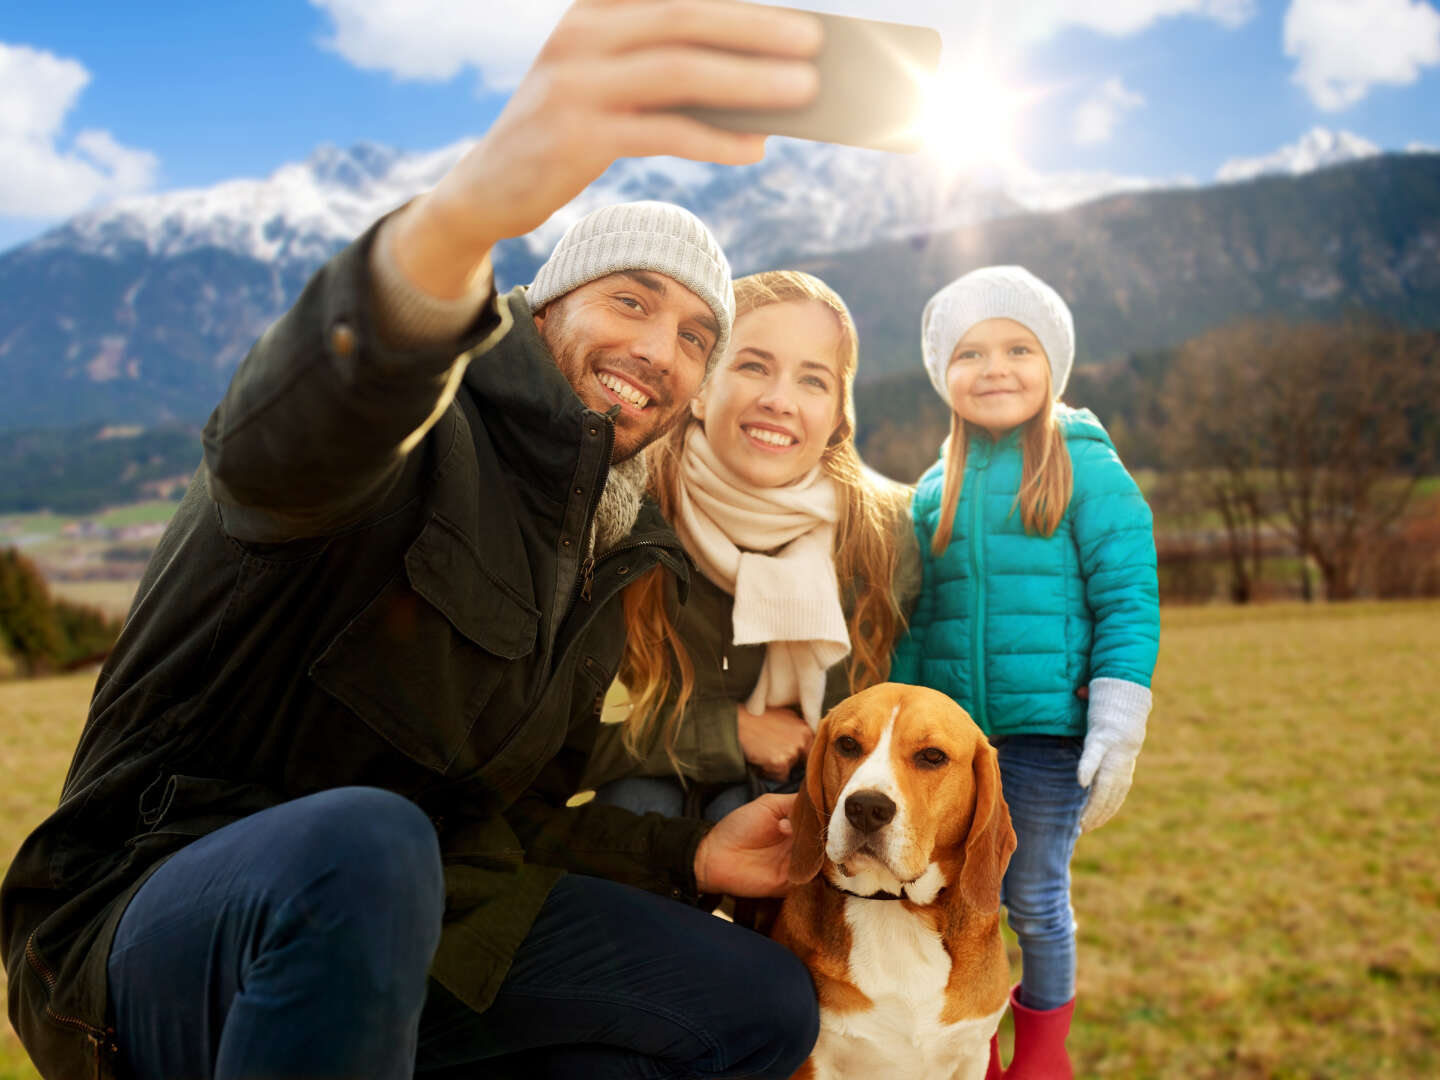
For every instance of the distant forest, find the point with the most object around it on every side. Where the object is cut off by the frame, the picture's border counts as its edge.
(39, 633)
(81, 470)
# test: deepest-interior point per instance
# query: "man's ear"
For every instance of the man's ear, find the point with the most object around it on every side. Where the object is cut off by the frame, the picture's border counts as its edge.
(539, 317)
(697, 406)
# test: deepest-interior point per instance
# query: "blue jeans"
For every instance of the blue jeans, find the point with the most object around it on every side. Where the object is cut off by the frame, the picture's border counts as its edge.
(664, 795)
(1045, 799)
(295, 943)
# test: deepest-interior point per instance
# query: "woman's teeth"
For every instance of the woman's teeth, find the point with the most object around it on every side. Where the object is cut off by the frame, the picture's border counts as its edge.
(623, 390)
(770, 438)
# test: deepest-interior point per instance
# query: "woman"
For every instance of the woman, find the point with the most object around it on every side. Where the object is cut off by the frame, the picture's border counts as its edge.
(807, 567)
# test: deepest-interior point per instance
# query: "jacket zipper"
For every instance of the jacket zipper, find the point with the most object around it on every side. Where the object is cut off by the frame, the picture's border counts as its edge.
(585, 577)
(587, 569)
(100, 1035)
(977, 568)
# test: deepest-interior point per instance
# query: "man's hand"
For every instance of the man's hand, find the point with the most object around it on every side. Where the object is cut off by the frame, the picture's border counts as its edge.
(774, 740)
(602, 88)
(748, 852)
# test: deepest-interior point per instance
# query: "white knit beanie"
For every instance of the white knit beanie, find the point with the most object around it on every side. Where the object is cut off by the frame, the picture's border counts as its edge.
(657, 236)
(997, 292)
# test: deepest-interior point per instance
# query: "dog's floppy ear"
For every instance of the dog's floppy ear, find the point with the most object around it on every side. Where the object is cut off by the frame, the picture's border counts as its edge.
(992, 838)
(807, 854)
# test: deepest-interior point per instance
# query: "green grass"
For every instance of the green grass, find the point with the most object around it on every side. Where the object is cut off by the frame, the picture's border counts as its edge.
(39, 524)
(141, 513)
(1265, 905)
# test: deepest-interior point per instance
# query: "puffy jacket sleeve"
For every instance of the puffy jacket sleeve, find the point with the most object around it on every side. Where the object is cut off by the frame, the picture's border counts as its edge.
(318, 424)
(1115, 536)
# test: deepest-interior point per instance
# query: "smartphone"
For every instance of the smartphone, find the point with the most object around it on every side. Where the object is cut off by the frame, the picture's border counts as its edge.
(873, 77)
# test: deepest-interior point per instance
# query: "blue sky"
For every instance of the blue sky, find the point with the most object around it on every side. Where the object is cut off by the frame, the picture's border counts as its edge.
(99, 100)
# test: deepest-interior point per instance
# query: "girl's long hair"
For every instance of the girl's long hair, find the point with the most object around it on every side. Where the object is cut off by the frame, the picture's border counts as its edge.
(656, 668)
(1046, 478)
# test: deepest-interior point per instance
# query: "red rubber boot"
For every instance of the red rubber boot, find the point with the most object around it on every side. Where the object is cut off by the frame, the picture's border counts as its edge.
(994, 1072)
(1040, 1042)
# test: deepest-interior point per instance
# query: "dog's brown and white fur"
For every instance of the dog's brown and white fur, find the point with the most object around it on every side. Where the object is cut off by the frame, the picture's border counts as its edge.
(902, 797)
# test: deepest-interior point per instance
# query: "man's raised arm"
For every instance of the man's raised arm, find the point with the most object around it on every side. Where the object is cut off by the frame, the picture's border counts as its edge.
(317, 426)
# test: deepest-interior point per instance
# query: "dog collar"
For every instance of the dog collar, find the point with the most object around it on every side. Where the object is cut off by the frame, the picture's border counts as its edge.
(881, 895)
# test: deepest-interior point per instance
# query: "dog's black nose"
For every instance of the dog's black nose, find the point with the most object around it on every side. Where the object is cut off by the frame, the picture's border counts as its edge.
(869, 810)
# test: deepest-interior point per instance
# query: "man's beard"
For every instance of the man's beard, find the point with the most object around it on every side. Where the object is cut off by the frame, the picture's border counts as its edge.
(580, 367)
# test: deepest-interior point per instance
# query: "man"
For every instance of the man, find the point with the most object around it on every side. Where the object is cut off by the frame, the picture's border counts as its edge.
(315, 826)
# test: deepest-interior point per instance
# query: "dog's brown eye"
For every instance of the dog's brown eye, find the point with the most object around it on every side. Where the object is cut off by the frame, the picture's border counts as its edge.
(932, 757)
(847, 746)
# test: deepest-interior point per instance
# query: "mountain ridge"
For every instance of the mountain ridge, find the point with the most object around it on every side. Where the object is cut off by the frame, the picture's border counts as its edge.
(103, 321)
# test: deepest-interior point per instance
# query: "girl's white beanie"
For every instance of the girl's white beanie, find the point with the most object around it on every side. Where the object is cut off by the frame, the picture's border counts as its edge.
(997, 292)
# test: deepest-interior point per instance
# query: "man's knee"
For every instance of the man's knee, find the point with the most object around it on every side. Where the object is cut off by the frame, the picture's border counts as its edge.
(795, 1005)
(368, 844)
(786, 1017)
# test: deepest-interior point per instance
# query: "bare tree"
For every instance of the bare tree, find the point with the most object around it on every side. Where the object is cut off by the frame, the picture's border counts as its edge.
(1210, 432)
(1347, 408)
(1318, 431)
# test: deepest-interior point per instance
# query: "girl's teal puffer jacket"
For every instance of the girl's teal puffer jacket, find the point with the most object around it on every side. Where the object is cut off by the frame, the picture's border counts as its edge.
(1011, 625)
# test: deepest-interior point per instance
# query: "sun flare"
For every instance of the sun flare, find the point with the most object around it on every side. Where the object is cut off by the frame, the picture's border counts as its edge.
(970, 118)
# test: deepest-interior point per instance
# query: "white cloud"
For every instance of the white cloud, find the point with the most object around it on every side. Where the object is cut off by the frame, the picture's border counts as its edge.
(42, 177)
(1344, 47)
(1421, 148)
(1096, 118)
(434, 40)
(1317, 148)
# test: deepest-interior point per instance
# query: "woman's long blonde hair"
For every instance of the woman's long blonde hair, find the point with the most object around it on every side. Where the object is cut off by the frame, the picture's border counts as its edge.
(656, 667)
(1046, 479)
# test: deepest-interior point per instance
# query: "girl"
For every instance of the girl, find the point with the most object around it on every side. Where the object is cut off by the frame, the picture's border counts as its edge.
(797, 547)
(1039, 592)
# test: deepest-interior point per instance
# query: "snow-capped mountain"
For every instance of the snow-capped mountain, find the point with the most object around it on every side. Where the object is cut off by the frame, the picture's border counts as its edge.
(143, 309)
(1318, 148)
(805, 198)
(139, 313)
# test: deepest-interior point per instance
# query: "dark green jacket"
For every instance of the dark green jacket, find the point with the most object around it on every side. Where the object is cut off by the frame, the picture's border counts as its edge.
(708, 741)
(368, 582)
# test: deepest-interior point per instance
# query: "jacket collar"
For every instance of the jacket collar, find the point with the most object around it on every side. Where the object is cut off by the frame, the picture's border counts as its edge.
(526, 399)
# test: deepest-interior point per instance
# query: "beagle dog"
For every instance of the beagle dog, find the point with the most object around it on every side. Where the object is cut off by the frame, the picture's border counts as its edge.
(901, 838)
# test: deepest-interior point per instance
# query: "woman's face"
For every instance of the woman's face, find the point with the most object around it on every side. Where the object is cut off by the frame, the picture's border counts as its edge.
(773, 401)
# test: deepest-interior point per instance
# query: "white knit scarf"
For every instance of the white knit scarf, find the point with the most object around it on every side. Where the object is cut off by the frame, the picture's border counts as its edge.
(773, 550)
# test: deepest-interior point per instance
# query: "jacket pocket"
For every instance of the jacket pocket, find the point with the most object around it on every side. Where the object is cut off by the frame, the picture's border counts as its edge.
(189, 806)
(419, 663)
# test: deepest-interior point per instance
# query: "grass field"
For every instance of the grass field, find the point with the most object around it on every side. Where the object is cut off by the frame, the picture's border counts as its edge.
(111, 597)
(1266, 904)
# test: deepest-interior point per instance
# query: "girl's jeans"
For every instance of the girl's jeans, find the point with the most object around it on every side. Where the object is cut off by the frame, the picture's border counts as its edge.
(295, 943)
(1045, 799)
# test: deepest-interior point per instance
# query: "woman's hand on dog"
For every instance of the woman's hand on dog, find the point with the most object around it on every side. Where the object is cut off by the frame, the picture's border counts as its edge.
(775, 740)
(747, 853)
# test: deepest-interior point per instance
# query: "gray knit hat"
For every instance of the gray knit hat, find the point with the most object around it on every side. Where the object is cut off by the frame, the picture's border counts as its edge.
(657, 236)
(997, 292)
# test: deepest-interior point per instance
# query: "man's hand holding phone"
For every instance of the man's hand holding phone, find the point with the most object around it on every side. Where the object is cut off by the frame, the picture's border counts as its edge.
(609, 82)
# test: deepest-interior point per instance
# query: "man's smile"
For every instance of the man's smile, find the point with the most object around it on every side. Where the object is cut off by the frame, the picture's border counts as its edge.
(626, 391)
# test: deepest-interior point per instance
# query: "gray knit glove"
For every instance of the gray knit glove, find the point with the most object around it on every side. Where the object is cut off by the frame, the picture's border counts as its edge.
(1116, 731)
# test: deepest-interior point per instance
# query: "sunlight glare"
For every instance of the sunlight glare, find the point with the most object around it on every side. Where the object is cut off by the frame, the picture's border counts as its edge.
(970, 118)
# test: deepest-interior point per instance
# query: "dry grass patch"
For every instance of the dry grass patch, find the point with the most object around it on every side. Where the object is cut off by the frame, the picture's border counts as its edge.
(42, 722)
(1266, 903)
